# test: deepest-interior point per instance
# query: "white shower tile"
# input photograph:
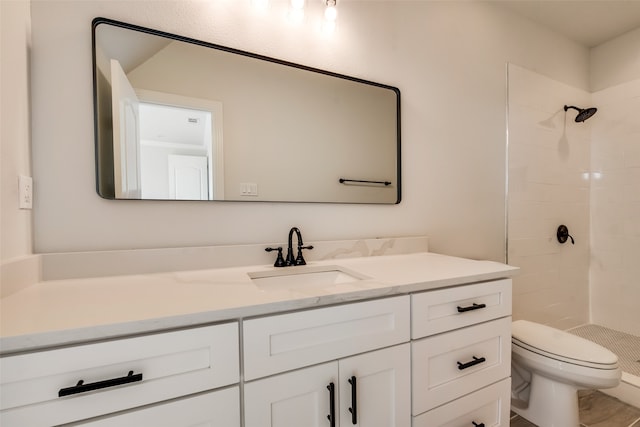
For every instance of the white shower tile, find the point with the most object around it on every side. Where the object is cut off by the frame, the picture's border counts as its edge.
(542, 245)
(632, 151)
(632, 188)
(534, 264)
(535, 282)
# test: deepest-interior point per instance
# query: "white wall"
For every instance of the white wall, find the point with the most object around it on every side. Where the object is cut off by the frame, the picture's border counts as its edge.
(447, 58)
(15, 40)
(549, 163)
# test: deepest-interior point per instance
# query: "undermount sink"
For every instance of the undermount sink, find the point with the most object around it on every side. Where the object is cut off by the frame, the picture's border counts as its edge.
(304, 277)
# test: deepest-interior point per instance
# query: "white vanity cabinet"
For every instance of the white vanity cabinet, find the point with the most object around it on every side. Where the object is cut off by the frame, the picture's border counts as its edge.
(461, 355)
(407, 353)
(365, 380)
(76, 383)
(367, 390)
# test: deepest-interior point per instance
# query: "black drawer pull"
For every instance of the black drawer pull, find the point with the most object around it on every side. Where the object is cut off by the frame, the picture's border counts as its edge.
(474, 362)
(354, 401)
(332, 405)
(471, 307)
(81, 387)
(476, 424)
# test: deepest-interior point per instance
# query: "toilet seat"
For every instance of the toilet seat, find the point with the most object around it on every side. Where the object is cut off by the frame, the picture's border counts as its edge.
(561, 346)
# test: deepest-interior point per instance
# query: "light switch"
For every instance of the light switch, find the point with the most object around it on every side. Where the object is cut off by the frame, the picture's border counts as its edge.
(25, 192)
(248, 189)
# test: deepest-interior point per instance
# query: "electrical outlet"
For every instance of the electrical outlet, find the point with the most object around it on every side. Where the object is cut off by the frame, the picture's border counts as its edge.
(25, 192)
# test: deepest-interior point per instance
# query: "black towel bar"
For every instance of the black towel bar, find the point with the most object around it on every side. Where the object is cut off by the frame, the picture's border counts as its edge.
(343, 180)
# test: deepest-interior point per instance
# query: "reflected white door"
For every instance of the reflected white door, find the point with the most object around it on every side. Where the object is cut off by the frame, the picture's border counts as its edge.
(188, 177)
(126, 135)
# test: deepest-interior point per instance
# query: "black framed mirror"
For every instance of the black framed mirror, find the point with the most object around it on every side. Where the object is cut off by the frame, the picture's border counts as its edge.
(182, 119)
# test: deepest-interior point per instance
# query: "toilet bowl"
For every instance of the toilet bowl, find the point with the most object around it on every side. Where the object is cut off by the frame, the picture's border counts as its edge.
(549, 366)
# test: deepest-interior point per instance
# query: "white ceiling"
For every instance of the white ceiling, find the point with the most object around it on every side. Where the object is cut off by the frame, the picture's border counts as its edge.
(588, 22)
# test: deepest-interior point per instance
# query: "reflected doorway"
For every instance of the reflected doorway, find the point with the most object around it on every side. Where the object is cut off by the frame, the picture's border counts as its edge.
(181, 154)
(175, 145)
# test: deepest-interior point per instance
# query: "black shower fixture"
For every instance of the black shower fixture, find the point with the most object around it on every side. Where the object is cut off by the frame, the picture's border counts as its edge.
(583, 113)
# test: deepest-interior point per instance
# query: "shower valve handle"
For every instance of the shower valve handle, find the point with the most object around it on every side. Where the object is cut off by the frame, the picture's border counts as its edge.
(563, 234)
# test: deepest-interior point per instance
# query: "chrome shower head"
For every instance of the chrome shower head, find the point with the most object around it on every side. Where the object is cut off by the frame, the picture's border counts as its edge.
(583, 113)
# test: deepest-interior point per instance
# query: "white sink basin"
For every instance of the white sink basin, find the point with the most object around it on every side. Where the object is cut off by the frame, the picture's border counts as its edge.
(304, 277)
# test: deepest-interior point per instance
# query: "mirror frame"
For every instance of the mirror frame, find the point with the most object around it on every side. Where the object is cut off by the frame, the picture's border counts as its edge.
(104, 148)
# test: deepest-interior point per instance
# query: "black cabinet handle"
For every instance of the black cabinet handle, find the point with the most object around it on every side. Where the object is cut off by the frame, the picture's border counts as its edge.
(332, 404)
(81, 387)
(474, 362)
(471, 307)
(476, 424)
(354, 401)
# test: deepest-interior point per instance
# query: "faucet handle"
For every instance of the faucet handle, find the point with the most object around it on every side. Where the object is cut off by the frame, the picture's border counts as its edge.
(279, 260)
(300, 259)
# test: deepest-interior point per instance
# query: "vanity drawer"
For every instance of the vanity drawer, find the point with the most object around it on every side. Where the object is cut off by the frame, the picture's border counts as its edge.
(125, 373)
(453, 364)
(489, 407)
(284, 342)
(215, 409)
(447, 309)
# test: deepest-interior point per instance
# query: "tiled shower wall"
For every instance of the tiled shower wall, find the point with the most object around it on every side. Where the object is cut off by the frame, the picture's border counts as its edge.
(615, 209)
(548, 179)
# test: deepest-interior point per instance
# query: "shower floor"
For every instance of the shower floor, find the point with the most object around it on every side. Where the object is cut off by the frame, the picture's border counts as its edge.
(625, 346)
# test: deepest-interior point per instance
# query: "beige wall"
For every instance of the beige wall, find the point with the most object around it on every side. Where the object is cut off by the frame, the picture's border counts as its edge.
(616, 61)
(15, 39)
(447, 58)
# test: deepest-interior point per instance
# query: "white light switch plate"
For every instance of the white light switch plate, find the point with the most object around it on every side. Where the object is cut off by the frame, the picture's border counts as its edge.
(248, 189)
(25, 192)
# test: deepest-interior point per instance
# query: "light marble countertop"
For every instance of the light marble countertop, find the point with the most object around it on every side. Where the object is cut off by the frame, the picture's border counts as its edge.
(62, 312)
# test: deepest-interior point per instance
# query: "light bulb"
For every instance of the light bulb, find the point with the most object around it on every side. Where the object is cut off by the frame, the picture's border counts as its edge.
(297, 4)
(330, 13)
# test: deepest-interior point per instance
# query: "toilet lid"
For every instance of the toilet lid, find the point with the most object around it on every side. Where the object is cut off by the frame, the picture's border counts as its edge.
(561, 344)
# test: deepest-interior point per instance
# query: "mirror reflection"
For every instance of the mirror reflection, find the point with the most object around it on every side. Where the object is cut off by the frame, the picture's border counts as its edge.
(179, 119)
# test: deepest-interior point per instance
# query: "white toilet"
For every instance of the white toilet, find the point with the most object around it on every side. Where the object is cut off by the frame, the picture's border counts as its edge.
(549, 366)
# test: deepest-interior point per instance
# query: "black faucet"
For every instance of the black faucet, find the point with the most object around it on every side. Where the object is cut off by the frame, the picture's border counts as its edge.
(299, 260)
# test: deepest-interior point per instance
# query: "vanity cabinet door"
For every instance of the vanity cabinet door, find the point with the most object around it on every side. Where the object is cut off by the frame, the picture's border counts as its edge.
(381, 397)
(296, 399)
(216, 409)
(382, 388)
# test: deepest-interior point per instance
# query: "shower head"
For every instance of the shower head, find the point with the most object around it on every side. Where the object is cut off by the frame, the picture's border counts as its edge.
(583, 113)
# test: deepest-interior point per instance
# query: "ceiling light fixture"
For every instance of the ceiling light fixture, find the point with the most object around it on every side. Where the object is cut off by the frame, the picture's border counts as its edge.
(331, 12)
(330, 15)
